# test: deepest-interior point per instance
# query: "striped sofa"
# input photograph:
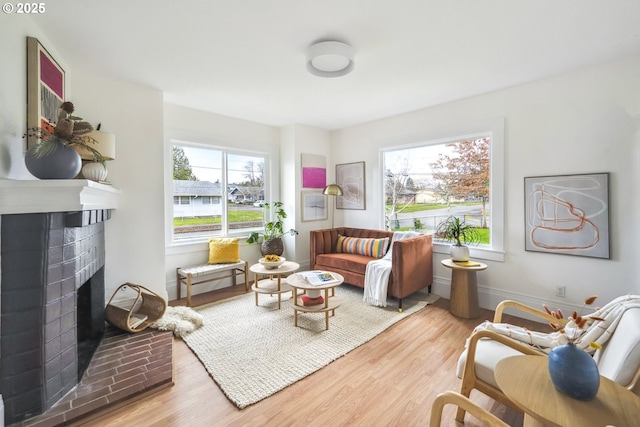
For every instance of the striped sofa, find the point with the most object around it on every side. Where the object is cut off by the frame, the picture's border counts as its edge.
(412, 263)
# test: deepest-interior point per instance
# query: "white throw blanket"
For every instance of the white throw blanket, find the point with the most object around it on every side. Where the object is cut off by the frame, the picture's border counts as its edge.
(376, 275)
(598, 331)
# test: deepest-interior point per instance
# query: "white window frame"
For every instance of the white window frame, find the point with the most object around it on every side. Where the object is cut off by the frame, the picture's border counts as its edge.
(493, 129)
(225, 226)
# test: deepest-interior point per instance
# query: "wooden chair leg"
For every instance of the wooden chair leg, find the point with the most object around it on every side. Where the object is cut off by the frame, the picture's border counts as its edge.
(246, 276)
(178, 281)
(188, 289)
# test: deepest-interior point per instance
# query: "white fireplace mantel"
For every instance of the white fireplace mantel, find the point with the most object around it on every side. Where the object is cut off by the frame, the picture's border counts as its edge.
(55, 195)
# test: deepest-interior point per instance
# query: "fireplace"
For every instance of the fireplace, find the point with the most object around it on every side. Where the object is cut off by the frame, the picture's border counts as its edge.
(52, 305)
(51, 288)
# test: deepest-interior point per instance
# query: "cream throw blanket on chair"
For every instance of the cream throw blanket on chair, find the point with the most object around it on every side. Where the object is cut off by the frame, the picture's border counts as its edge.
(598, 331)
(376, 275)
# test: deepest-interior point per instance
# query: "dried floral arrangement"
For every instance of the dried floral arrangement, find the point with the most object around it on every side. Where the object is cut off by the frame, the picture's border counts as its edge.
(574, 325)
(70, 130)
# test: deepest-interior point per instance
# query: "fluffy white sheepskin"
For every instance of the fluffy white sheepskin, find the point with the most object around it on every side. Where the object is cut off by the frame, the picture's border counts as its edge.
(181, 320)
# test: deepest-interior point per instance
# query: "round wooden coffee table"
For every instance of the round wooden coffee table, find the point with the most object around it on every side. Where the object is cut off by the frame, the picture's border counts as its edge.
(329, 304)
(274, 283)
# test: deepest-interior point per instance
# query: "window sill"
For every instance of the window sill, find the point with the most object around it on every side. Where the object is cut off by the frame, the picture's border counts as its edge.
(476, 252)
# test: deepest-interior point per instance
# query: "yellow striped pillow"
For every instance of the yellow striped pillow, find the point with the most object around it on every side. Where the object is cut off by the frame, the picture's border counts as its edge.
(369, 247)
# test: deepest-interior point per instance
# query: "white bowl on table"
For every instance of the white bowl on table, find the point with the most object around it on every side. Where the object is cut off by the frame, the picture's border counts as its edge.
(271, 265)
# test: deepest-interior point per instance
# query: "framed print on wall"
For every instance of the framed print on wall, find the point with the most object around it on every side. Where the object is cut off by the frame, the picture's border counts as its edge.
(45, 88)
(314, 171)
(350, 177)
(314, 206)
(568, 214)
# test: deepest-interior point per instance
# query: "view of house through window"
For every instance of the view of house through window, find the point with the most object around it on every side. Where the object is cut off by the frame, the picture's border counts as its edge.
(216, 192)
(425, 184)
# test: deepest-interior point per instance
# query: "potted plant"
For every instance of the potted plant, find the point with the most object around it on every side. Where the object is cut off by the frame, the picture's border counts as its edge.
(457, 231)
(273, 231)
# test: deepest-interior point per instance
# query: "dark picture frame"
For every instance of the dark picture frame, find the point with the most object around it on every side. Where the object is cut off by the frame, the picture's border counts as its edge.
(351, 178)
(568, 214)
(45, 88)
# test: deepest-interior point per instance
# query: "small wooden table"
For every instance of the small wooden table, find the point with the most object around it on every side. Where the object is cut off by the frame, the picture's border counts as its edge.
(463, 301)
(525, 380)
(329, 305)
(275, 283)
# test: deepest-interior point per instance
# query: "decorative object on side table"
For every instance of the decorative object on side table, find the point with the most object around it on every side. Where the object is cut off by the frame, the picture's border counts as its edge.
(572, 370)
(54, 156)
(457, 231)
(273, 231)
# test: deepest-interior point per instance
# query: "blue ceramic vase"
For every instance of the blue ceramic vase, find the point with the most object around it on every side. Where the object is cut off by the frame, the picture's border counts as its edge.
(574, 372)
(62, 163)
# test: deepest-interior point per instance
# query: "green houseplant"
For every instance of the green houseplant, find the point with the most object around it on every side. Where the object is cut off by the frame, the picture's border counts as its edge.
(457, 231)
(271, 237)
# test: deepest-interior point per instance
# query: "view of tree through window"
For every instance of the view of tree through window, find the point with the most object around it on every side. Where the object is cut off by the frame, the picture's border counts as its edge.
(216, 192)
(426, 184)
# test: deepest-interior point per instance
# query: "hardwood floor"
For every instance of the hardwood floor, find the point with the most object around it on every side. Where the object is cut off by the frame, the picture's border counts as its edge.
(389, 381)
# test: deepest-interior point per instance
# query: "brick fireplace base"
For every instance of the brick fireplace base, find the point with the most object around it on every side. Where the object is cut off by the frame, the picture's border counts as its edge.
(124, 365)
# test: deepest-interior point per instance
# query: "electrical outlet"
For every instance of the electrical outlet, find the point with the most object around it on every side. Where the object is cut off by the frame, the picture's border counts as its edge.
(560, 291)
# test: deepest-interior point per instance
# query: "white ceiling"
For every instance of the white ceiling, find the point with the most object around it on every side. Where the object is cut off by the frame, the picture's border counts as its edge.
(246, 58)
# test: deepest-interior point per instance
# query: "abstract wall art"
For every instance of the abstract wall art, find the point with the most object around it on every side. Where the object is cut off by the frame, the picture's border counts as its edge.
(568, 214)
(45, 87)
(314, 171)
(350, 177)
(314, 205)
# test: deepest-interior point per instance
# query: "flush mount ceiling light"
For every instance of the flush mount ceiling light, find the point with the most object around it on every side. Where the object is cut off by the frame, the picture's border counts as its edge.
(330, 59)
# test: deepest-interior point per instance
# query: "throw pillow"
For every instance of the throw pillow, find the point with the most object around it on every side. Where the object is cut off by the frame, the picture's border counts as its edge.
(362, 246)
(224, 250)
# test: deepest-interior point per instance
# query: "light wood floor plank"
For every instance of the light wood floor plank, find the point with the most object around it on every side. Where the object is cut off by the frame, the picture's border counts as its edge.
(389, 381)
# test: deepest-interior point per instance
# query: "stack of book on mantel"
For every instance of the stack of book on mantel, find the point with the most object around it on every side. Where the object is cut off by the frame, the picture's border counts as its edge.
(307, 300)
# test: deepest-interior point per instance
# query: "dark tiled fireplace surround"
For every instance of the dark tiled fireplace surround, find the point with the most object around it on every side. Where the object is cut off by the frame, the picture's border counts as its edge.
(52, 317)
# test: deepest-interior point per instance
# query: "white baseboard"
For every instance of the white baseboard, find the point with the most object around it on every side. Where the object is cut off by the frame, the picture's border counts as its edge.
(489, 298)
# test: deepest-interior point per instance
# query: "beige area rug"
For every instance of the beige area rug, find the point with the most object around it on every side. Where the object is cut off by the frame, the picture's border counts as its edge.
(254, 351)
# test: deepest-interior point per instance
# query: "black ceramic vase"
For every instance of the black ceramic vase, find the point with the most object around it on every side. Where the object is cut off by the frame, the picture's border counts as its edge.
(62, 163)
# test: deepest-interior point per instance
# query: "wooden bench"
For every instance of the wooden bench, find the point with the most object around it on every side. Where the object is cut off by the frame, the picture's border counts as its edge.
(185, 275)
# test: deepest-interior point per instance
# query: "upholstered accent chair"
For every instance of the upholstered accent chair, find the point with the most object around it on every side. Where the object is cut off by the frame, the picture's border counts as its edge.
(618, 360)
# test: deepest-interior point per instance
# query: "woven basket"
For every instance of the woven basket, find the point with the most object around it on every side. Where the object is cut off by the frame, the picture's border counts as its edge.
(133, 308)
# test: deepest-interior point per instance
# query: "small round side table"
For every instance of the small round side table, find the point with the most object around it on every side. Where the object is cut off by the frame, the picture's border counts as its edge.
(275, 283)
(463, 301)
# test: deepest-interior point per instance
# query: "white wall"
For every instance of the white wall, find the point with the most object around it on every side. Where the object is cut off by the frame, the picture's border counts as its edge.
(134, 235)
(582, 122)
(185, 124)
(13, 91)
(298, 140)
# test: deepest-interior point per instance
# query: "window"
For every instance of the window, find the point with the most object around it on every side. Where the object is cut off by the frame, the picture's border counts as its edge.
(426, 182)
(203, 178)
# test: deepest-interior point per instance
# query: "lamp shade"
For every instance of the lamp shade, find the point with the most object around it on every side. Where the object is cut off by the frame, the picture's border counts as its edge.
(103, 142)
(332, 190)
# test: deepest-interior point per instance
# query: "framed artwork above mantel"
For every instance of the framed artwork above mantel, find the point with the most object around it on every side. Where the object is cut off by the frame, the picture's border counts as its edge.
(45, 88)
